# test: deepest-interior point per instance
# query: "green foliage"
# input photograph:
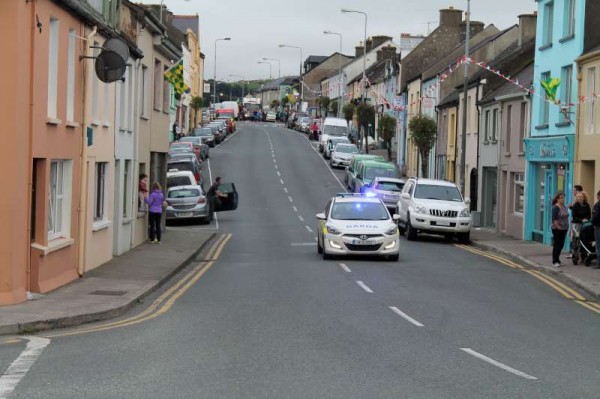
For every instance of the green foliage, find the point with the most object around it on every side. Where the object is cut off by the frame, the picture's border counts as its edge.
(196, 103)
(387, 131)
(324, 104)
(348, 111)
(365, 114)
(275, 104)
(333, 106)
(423, 132)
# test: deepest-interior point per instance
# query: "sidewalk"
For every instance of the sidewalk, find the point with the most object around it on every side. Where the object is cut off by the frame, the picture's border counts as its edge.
(538, 256)
(110, 290)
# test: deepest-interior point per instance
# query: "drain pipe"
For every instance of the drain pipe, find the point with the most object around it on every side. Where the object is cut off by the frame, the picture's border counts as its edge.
(84, 170)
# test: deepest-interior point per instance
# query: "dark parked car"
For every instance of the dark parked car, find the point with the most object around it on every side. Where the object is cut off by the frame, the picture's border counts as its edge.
(187, 163)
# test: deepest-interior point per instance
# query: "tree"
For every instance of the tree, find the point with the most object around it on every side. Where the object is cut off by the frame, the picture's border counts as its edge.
(387, 130)
(348, 112)
(365, 115)
(324, 104)
(196, 104)
(423, 131)
(333, 107)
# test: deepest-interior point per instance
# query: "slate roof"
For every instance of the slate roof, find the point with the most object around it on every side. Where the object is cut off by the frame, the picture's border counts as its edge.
(274, 84)
(185, 22)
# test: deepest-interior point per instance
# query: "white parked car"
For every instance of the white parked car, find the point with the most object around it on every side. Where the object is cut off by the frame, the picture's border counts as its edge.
(356, 225)
(342, 154)
(332, 127)
(433, 206)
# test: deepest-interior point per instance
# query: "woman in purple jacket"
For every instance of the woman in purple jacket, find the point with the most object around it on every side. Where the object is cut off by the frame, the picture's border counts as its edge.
(155, 207)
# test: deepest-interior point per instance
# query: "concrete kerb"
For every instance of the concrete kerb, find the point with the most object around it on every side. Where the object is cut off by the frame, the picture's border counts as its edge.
(72, 321)
(523, 261)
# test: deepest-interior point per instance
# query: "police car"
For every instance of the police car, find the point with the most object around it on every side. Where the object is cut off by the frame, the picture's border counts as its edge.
(354, 224)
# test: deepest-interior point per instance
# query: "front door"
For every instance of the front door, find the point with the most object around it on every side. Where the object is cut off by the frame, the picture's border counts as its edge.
(546, 205)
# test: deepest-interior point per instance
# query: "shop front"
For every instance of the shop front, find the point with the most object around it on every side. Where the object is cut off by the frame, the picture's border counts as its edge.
(549, 171)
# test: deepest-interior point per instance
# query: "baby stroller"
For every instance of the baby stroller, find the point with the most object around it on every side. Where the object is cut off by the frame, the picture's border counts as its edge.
(583, 244)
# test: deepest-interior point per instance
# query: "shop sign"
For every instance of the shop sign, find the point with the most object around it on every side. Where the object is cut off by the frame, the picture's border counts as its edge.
(548, 150)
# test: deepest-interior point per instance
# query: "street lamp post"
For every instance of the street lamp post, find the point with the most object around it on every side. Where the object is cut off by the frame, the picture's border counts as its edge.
(463, 141)
(341, 79)
(300, 76)
(278, 62)
(270, 68)
(215, 66)
(243, 83)
(364, 83)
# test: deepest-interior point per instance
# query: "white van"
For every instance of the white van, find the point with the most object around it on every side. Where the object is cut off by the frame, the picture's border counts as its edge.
(231, 105)
(332, 127)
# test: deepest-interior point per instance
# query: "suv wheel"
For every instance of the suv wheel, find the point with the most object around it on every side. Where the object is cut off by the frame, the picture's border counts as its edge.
(411, 233)
(326, 256)
(319, 247)
(464, 238)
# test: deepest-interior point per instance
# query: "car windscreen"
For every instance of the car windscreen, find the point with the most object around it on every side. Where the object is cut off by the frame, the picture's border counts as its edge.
(180, 146)
(441, 193)
(346, 149)
(174, 181)
(183, 165)
(184, 193)
(335, 130)
(359, 211)
(226, 115)
(373, 172)
(202, 132)
(390, 186)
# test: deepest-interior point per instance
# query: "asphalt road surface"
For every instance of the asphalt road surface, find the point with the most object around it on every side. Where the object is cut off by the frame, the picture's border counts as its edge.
(267, 317)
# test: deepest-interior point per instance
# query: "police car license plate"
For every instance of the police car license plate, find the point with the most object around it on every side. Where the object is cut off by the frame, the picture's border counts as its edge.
(363, 242)
(185, 214)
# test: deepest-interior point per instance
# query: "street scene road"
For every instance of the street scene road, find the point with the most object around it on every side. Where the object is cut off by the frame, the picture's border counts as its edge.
(259, 314)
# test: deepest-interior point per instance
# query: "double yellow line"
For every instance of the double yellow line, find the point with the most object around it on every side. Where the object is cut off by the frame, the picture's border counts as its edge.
(164, 302)
(553, 283)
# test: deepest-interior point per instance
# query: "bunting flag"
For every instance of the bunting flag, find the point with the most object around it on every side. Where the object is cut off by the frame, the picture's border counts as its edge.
(175, 76)
(550, 86)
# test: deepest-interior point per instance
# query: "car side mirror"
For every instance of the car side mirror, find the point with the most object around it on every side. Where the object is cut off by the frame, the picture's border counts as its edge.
(405, 196)
(321, 216)
(396, 217)
(467, 201)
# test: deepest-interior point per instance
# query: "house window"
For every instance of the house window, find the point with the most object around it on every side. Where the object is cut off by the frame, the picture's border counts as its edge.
(519, 190)
(157, 85)
(95, 91)
(100, 191)
(569, 21)
(523, 124)
(544, 105)
(53, 68)
(590, 106)
(566, 97)
(144, 92)
(548, 23)
(494, 125)
(71, 77)
(142, 188)
(59, 206)
(486, 126)
(126, 187)
(508, 128)
(166, 93)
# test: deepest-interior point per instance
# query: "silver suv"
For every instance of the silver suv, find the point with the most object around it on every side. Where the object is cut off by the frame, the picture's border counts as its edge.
(433, 206)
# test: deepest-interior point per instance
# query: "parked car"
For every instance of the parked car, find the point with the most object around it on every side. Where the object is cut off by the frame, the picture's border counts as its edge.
(387, 189)
(356, 225)
(187, 202)
(200, 147)
(189, 164)
(332, 142)
(180, 178)
(332, 127)
(436, 207)
(303, 124)
(341, 154)
(351, 168)
(271, 116)
(218, 131)
(368, 170)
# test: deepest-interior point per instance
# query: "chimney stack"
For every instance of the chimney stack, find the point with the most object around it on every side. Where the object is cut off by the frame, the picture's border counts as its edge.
(369, 44)
(359, 50)
(527, 27)
(450, 16)
(379, 40)
(386, 53)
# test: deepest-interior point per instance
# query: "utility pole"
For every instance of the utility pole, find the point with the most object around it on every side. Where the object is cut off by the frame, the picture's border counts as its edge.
(463, 152)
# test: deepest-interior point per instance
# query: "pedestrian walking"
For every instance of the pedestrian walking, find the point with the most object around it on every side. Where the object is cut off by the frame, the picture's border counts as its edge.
(560, 227)
(580, 212)
(315, 131)
(155, 203)
(596, 224)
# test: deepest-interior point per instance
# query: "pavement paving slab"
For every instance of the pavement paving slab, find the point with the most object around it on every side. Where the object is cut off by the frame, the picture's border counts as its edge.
(109, 290)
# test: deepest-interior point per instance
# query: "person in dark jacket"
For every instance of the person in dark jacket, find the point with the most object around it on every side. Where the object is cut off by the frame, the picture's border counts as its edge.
(560, 227)
(596, 223)
(155, 207)
(580, 212)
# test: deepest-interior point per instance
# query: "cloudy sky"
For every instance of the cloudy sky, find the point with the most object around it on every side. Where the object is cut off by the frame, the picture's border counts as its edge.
(258, 27)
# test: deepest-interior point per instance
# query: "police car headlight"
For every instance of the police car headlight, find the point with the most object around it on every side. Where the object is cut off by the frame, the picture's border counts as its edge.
(333, 230)
(465, 213)
(420, 209)
(392, 231)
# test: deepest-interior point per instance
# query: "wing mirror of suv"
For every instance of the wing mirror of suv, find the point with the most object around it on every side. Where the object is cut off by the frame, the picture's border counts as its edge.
(467, 201)
(396, 217)
(405, 196)
(321, 216)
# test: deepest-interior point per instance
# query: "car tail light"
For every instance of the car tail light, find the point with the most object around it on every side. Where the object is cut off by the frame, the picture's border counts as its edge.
(202, 200)
(197, 176)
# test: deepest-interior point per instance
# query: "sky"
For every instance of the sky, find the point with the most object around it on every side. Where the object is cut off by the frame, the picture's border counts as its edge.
(256, 28)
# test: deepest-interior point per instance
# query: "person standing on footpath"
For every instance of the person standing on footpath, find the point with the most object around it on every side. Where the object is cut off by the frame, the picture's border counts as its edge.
(560, 227)
(155, 208)
(580, 212)
(596, 224)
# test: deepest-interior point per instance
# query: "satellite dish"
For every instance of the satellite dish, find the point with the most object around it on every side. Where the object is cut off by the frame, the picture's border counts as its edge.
(110, 66)
(111, 63)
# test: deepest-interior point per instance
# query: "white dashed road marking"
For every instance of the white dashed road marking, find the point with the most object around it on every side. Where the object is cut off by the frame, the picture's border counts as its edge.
(309, 229)
(364, 287)
(498, 364)
(303, 244)
(345, 268)
(281, 181)
(301, 218)
(285, 189)
(295, 209)
(290, 199)
(405, 316)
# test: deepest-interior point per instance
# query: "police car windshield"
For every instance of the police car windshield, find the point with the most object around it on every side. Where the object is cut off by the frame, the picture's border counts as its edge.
(359, 211)
(440, 193)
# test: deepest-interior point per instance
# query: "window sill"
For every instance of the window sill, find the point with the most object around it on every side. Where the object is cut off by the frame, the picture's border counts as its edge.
(144, 117)
(96, 122)
(72, 124)
(486, 142)
(126, 221)
(107, 124)
(53, 121)
(545, 47)
(542, 127)
(101, 225)
(157, 109)
(507, 154)
(562, 124)
(521, 154)
(141, 214)
(54, 245)
(494, 141)
(567, 38)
